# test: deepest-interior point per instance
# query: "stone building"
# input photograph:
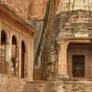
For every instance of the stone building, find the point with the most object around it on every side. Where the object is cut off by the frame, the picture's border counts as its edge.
(16, 45)
(74, 40)
(16, 50)
(69, 65)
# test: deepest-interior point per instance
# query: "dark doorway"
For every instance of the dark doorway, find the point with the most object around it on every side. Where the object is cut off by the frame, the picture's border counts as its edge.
(78, 65)
(3, 37)
(22, 58)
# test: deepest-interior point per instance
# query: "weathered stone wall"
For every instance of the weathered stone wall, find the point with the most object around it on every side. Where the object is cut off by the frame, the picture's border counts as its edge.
(10, 84)
(43, 86)
(77, 86)
(4, 49)
(27, 8)
(20, 6)
(59, 86)
(37, 9)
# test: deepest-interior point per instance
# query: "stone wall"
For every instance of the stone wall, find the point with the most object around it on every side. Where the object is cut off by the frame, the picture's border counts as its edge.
(64, 86)
(10, 84)
(37, 9)
(4, 59)
(27, 8)
(59, 86)
(20, 6)
(78, 86)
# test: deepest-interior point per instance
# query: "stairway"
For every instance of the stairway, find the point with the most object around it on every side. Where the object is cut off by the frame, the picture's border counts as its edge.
(59, 86)
(33, 86)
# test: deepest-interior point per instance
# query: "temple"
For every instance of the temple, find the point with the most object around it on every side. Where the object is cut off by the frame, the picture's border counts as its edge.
(60, 38)
(74, 40)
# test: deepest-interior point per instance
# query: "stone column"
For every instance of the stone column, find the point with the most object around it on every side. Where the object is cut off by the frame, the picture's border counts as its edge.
(10, 44)
(30, 59)
(63, 60)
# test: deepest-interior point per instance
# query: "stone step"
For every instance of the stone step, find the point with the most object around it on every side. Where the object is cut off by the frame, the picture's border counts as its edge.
(30, 89)
(32, 86)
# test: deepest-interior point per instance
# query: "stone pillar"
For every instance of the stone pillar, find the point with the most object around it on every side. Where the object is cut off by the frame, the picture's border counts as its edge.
(10, 44)
(63, 60)
(20, 56)
(30, 59)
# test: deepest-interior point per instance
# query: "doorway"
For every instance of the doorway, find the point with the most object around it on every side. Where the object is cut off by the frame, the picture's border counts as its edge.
(78, 62)
(22, 59)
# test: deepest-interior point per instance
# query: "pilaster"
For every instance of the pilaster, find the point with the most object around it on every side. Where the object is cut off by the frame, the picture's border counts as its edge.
(63, 59)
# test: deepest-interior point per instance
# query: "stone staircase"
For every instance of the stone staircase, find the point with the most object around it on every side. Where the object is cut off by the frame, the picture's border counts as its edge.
(34, 86)
(59, 86)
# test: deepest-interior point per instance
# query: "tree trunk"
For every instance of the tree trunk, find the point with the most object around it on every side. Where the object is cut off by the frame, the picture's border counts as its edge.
(43, 51)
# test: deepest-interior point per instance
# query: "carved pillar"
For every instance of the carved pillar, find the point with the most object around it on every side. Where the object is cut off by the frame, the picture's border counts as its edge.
(63, 60)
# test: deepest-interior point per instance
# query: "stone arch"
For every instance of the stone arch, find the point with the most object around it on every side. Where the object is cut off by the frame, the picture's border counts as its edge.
(14, 40)
(3, 37)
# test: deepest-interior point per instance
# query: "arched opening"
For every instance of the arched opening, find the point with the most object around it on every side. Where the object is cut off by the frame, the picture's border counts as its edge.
(3, 65)
(13, 40)
(14, 50)
(3, 37)
(22, 59)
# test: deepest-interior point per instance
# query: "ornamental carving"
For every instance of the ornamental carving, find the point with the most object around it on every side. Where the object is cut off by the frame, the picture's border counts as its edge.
(75, 24)
(82, 29)
(79, 16)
